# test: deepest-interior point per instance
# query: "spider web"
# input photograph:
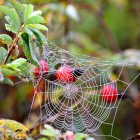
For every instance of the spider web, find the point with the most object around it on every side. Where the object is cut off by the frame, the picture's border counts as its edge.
(78, 106)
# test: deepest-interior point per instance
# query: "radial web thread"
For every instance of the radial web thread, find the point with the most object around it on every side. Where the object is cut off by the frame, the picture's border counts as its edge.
(78, 106)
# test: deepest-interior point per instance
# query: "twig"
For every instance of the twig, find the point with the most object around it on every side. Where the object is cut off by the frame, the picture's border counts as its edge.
(113, 43)
(13, 45)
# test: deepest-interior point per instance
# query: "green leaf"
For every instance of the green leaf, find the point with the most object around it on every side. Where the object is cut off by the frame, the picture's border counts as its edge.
(16, 63)
(19, 9)
(48, 133)
(27, 11)
(12, 18)
(7, 81)
(8, 72)
(26, 70)
(80, 136)
(29, 32)
(35, 20)
(37, 26)
(9, 28)
(36, 13)
(3, 53)
(31, 17)
(41, 38)
(28, 49)
(5, 39)
(36, 41)
(43, 138)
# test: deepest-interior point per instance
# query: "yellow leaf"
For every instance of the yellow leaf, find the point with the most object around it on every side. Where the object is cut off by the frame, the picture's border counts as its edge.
(11, 130)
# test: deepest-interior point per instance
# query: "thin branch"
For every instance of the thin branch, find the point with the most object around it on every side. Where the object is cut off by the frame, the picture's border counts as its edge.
(111, 40)
(13, 45)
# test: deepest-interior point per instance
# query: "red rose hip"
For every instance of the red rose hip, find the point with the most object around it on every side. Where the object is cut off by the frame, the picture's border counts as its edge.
(65, 74)
(44, 67)
(109, 93)
(11, 77)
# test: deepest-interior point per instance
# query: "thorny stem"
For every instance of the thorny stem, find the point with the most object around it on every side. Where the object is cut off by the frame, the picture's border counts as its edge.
(13, 45)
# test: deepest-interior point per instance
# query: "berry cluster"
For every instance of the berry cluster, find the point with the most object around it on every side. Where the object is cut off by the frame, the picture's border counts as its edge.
(44, 68)
(64, 73)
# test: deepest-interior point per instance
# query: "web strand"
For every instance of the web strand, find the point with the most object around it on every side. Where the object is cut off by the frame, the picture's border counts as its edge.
(78, 106)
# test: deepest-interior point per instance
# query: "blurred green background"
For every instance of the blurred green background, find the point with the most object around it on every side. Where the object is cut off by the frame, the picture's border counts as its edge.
(107, 29)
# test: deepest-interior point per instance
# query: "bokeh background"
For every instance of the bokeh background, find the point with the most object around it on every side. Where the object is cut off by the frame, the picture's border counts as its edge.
(107, 29)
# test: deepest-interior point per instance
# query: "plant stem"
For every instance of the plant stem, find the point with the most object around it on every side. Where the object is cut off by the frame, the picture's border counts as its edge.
(13, 45)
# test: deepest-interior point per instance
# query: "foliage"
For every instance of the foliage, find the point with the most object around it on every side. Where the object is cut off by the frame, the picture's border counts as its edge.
(25, 24)
(106, 29)
(10, 130)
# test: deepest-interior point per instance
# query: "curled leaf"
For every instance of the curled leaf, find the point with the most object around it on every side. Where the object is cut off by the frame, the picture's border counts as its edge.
(28, 49)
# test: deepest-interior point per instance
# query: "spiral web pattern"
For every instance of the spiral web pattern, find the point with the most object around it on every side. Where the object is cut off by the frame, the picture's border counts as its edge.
(78, 106)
